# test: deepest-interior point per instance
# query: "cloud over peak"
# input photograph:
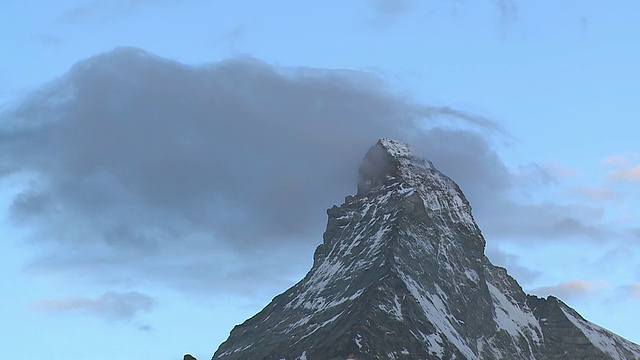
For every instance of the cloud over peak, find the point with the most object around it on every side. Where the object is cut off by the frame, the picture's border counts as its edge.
(196, 176)
(132, 157)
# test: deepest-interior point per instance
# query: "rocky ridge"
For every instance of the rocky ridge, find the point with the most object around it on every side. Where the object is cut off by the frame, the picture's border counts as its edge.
(401, 274)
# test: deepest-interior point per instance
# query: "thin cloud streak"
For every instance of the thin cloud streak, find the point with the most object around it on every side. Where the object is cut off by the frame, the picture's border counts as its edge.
(631, 174)
(634, 290)
(108, 306)
(597, 193)
(508, 10)
(107, 10)
(571, 289)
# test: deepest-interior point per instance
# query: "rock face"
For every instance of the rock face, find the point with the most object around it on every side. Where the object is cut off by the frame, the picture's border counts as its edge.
(401, 274)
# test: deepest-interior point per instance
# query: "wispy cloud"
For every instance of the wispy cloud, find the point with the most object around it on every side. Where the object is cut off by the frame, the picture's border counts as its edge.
(630, 174)
(455, 114)
(634, 290)
(386, 11)
(559, 170)
(95, 10)
(392, 8)
(233, 38)
(511, 262)
(625, 167)
(47, 40)
(597, 193)
(621, 160)
(508, 10)
(549, 173)
(571, 289)
(109, 306)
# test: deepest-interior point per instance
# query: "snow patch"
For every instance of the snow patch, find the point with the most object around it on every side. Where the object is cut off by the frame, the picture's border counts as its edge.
(514, 320)
(396, 148)
(397, 310)
(358, 341)
(472, 275)
(437, 312)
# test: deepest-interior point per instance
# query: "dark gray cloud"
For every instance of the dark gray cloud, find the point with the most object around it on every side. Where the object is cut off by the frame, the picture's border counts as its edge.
(134, 159)
(143, 168)
(108, 306)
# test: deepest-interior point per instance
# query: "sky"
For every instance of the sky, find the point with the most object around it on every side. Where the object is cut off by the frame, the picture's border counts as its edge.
(166, 166)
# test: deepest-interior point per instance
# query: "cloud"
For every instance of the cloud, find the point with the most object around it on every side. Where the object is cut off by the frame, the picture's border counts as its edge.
(597, 193)
(388, 10)
(546, 221)
(571, 289)
(217, 177)
(233, 38)
(540, 174)
(623, 171)
(133, 159)
(508, 10)
(634, 290)
(48, 40)
(549, 173)
(620, 160)
(616, 160)
(512, 264)
(108, 306)
(584, 26)
(391, 8)
(93, 10)
(450, 113)
(560, 171)
(630, 174)
(629, 292)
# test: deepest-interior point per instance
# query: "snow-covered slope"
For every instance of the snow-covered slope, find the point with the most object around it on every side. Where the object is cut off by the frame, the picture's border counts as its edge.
(401, 274)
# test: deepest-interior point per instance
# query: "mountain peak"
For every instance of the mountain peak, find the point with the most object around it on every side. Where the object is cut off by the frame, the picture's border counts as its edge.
(386, 161)
(401, 274)
(391, 167)
(395, 148)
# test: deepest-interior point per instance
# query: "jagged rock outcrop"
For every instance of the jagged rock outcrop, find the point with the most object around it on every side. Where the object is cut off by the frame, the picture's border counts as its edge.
(401, 274)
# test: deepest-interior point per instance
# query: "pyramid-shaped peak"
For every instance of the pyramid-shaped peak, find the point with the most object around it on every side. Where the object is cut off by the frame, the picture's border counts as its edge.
(395, 148)
(401, 274)
(390, 160)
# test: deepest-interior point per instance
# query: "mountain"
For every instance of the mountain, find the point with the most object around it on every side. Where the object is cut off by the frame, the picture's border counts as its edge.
(401, 274)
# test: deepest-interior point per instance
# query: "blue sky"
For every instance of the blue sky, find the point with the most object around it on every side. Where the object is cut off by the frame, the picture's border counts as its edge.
(529, 106)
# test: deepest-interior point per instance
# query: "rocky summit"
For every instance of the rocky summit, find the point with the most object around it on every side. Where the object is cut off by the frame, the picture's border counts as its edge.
(401, 274)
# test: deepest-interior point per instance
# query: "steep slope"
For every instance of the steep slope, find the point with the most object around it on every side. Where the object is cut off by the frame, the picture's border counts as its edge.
(401, 274)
